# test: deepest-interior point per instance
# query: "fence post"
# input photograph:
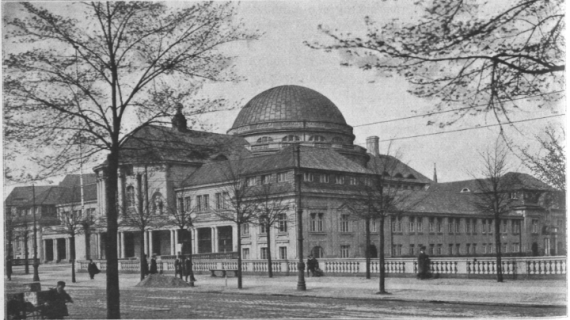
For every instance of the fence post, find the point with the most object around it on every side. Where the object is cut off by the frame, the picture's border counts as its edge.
(462, 267)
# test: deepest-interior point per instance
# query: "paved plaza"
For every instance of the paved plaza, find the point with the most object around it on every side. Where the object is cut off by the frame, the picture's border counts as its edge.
(326, 297)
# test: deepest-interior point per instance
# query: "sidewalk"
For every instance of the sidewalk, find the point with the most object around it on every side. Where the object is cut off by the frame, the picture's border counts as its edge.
(511, 292)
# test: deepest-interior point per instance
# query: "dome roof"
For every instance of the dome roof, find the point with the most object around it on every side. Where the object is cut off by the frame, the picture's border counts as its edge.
(288, 103)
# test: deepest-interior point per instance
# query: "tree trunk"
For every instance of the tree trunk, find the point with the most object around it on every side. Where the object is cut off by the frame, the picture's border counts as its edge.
(140, 209)
(269, 266)
(87, 232)
(26, 252)
(113, 295)
(141, 254)
(498, 248)
(367, 248)
(72, 254)
(381, 256)
(190, 257)
(239, 255)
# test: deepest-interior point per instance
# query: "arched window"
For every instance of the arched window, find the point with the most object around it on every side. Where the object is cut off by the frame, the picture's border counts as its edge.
(465, 190)
(264, 139)
(337, 140)
(130, 196)
(410, 176)
(317, 252)
(385, 174)
(290, 138)
(317, 138)
(157, 203)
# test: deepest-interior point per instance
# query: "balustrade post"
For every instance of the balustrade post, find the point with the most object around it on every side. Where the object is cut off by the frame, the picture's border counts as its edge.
(462, 267)
(409, 266)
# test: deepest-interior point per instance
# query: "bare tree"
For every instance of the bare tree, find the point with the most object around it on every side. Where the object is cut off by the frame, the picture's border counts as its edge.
(238, 207)
(72, 224)
(484, 56)
(272, 209)
(493, 197)
(120, 60)
(183, 216)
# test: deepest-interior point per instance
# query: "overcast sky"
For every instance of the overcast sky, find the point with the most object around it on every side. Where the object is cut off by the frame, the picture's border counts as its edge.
(281, 58)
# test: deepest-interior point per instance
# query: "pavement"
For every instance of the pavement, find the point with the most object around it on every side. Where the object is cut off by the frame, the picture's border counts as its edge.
(536, 293)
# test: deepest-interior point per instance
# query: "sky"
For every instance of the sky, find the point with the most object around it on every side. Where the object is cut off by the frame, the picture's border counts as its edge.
(279, 57)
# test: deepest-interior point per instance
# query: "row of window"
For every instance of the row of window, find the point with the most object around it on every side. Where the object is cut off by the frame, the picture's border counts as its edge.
(264, 253)
(294, 138)
(455, 249)
(280, 225)
(202, 202)
(470, 225)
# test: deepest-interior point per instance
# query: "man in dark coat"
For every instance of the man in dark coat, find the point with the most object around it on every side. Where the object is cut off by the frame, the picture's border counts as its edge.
(423, 264)
(178, 268)
(92, 269)
(9, 267)
(144, 266)
(188, 269)
(312, 265)
(153, 266)
(56, 307)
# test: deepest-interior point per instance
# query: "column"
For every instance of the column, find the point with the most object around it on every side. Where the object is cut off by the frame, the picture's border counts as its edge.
(172, 247)
(44, 255)
(68, 249)
(214, 239)
(234, 237)
(41, 251)
(146, 243)
(150, 248)
(98, 245)
(194, 237)
(55, 253)
(119, 245)
(176, 237)
(123, 245)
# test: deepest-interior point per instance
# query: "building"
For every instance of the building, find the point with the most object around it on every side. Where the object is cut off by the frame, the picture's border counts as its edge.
(168, 171)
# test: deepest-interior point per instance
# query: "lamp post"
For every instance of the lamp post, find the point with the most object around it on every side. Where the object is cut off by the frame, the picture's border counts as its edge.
(300, 265)
(36, 262)
(192, 217)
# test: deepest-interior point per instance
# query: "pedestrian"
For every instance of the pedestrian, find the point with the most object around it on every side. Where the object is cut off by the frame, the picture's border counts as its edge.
(92, 269)
(9, 267)
(178, 268)
(153, 267)
(312, 265)
(144, 266)
(423, 264)
(188, 269)
(56, 307)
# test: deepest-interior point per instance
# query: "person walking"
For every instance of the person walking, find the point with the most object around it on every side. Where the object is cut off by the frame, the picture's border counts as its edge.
(153, 266)
(56, 307)
(178, 267)
(92, 269)
(188, 269)
(423, 264)
(9, 267)
(144, 265)
(312, 265)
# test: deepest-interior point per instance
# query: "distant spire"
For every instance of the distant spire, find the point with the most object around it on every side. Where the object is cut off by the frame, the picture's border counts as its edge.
(179, 121)
(434, 173)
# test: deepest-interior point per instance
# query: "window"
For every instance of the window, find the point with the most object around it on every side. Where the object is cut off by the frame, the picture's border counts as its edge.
(412, 249)
(157, 205)
(490, 226)
(130, 197)
(505, 247)
(188, 204)
(431, 247)
(282, 253)
(317, 252)
(474, 248)
(352, 181)
(339, 179)
(439, 251)
(316, 222)
(262, 227)
(282, 222)
(505, 226)
(344, 223)
(226, 203)
(199, 203)
(468, 226)
(206, 199)
(324, 178)
(307, 176)
(251, 181)
(419, 225)
(457, 226)
(397, 224)
(374, 226)
(245, 253)
(367, 181)
(290, 138)
(513, 195)
(474, 230)
(534, 226)
(344, 251)
(450, 252)
(449, 225)
(396, 250)
(458, 249)
(264, 139)
(412, 224)
(431, 225)
(245, 229)
(484, 247)
(516, 227)
(317, 138)
(439, 225)
(266, 179)
(337, 140)
(516, 247)
(180, 205)
(219, 201)
(263, 253)
(281, 177)
(467, 248)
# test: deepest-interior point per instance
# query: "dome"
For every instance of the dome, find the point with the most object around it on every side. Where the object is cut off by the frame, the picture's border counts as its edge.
(288, 104)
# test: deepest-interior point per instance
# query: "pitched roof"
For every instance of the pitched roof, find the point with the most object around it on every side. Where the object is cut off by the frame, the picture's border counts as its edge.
(393, 166)
(512, 181)
(72, 180)
(24, 196)
(158, 144)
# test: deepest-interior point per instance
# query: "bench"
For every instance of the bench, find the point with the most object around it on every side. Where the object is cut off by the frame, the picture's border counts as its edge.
(224, 272)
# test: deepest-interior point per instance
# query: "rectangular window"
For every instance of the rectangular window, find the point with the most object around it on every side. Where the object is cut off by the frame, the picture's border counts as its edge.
(281, 177)
(514, 195)
(412, 224)
(262, 228)
(198, 203)
(504, 226)
(439, 225)
(439, 251)
(458, 249)
(474, 248)
(180, 205)
(227, 201)
(251, 181)
(419, 225)
(339, 179)
(484, 226)
(450, 250)
(397, 224)
(534, 226)
(206, 199)
(412, 249)
(468, 226)
(266, 179)
(308, 177)
(352, 181)
(475, 226)
(490, 227)
(367, 182)
(218, 200)
(316, 222)
(282, 222)
(505, 248)
(324, 178)
(449, 225)
(344, 251)
(431, 247)
(516, 247)
(283, 253)
(263, 253)
(245, 229)
(344, 223)
(516, 226)
(431, 224)
(188, 204)
(457, 226)
(245, 253)
(373, 226)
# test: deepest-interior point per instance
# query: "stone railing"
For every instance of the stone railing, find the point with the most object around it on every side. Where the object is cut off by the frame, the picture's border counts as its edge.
(477, 267)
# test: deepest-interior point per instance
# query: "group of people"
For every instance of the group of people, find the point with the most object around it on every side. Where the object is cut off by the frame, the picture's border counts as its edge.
(153, 266)
(313, 267)
(423, 265)
(183, 267)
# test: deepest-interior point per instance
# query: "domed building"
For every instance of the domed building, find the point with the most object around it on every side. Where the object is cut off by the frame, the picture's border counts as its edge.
(290, 150)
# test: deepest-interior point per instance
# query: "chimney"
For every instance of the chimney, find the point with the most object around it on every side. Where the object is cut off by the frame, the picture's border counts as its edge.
(179, 121)
(372, 145)
(434, 173)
